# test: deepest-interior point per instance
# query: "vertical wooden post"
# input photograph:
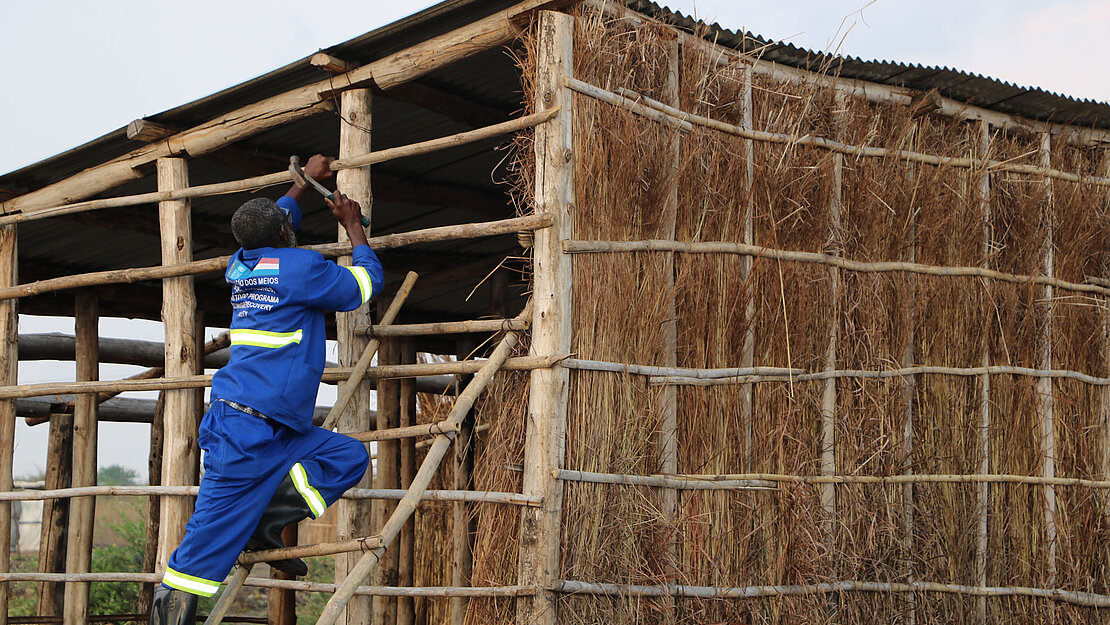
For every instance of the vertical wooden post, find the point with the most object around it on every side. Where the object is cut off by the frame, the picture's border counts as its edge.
(1104, 391)
(387, 475)
(909, 390)
(747, 354)
(55, 514)
(179, 306)
(982, 503)
(154, 502)
(406, 613)
(828, 395)
(353, 517)
(668, 394)
(281, 608)
(1046, 432)
(545, 443)
(83, 509)
(9, 360)
(463, 560)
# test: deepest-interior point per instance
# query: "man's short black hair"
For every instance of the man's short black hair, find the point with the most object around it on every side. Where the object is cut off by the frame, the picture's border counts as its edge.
(257, 223)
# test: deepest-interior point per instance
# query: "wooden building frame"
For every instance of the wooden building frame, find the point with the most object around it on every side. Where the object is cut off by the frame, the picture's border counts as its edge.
(549, 235)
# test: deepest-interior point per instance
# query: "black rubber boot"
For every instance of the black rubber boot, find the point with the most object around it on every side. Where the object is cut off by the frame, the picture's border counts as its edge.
(286, 508)
(173, 607)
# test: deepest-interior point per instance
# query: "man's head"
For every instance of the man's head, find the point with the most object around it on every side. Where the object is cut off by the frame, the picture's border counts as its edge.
(260, 223)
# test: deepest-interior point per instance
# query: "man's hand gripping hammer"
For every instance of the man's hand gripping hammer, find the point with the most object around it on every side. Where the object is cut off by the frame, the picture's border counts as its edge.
(305, 180)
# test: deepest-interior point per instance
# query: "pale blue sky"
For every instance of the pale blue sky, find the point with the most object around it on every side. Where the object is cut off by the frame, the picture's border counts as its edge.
(73, 70)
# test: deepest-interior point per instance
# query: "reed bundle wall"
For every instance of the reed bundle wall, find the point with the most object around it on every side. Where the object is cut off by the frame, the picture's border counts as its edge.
(864, 208)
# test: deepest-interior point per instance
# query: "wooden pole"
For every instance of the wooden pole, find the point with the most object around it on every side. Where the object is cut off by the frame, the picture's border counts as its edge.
(179, 304)
(1092, 285)
(668, 395)
(462, 555)
(211, 265)
(83, 509)
(331, 375)
(1046, 432)
(545, 445)
(354, 384)
(909, 389)
(154, 502)
(424, 475)
(353, 517)
(747, 355)
(281, 606)
(9, 361)
(387, 475)
(828, 395)
(406, 613)
(1104, 393)
(55, 514)
(445, 327)
(982, 494)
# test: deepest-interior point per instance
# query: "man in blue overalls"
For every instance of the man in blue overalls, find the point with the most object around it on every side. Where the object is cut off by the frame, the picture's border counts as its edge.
(266, 465)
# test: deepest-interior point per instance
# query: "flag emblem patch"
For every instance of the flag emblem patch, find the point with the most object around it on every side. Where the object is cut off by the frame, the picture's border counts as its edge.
(266, 267)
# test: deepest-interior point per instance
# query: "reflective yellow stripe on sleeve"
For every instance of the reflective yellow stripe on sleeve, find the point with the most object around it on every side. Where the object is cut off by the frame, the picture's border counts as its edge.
(262, 338)
(365, 287)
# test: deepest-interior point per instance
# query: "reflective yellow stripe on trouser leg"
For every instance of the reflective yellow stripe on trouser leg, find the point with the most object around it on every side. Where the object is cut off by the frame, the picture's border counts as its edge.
(311, 496)
(190, 583)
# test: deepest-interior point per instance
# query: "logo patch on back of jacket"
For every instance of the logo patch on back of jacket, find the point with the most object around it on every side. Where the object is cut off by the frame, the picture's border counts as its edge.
(254, 288)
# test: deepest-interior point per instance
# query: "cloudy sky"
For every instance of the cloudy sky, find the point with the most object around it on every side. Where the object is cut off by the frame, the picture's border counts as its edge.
(73, 70)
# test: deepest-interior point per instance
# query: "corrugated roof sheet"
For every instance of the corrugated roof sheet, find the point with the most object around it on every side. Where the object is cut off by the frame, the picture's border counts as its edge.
(975, 89)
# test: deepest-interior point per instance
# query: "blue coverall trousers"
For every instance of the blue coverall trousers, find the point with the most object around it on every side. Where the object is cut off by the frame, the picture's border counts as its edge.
(246, 457)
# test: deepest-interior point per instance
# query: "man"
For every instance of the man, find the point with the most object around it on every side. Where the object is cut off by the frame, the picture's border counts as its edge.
(259, 442)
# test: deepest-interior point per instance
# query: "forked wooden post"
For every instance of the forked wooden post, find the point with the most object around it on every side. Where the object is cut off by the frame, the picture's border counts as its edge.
(83, 509)
(353, 517)
(179, 305)
(1046, 432)
(9, 359)
(545, 446)
(982, 494)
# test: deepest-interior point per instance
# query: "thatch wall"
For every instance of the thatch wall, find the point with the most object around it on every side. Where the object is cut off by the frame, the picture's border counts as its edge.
(928, 424)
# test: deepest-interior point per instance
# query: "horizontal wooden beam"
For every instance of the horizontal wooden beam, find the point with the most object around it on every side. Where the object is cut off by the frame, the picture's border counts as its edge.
(148, 131)
(284, 176)
(394, 69)
(331, 375)
(211, 265)
(58, 346)
(759, 252)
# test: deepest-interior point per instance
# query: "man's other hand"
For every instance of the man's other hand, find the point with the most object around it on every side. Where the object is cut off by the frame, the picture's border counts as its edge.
(347, 211)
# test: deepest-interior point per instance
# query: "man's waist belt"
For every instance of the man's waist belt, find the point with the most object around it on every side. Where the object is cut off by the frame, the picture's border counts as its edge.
(243, 408)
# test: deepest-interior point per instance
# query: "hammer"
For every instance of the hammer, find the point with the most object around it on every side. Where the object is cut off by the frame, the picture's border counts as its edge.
(304, 180)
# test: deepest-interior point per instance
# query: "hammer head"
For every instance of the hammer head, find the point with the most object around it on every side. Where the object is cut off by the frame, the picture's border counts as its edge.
(296, 171)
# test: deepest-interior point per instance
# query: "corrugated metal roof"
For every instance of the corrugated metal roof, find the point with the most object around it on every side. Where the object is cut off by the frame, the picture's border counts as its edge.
(975, 89)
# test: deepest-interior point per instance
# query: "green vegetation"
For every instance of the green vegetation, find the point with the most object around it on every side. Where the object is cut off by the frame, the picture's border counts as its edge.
(116, 475)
